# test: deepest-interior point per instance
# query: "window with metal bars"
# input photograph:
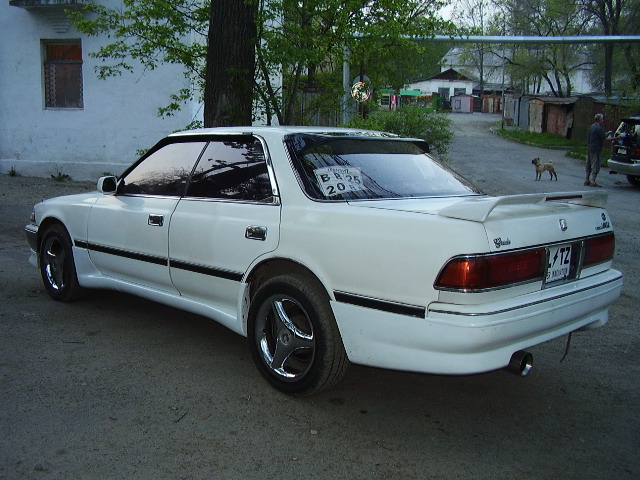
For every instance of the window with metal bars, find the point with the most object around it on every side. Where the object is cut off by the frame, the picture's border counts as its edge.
(63, 74)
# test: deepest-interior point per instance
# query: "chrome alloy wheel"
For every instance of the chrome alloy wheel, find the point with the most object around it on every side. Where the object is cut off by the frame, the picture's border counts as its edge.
(284, 333)
(54, 260)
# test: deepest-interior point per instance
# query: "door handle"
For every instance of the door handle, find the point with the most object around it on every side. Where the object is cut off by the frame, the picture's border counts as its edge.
(156, 220)
(256, 233)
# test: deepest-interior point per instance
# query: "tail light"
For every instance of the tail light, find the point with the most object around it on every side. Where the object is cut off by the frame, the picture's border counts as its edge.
(599, 249)
(480, 272)
(483, 272)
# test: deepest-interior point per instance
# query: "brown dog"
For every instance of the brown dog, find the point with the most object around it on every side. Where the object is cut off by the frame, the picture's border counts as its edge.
(541, 167)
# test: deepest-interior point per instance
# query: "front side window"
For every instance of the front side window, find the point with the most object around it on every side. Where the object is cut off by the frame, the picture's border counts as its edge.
(165, 171)
(63, 75)
(233, 168)
(359, 168)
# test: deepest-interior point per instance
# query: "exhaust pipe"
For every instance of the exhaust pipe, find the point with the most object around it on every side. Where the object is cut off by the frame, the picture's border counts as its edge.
(521, 363)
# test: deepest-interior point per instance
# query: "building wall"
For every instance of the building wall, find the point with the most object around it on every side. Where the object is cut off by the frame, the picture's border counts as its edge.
(432, 86)
(496, 75)
(119, 115)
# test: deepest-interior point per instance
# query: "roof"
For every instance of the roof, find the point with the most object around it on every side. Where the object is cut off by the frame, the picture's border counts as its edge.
(451, 75)
(281, 130)
(558, 100)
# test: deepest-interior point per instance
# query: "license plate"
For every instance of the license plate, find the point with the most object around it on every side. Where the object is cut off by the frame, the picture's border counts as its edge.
(621, 150)
(558, 263)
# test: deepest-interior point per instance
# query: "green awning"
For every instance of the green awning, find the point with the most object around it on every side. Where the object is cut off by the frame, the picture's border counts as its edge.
(410, 93)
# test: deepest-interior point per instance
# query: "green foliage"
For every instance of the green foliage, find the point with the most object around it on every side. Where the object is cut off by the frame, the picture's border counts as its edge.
(548, 140)
(414, 122)
(148, 33)
(304, 41)
(305, 38)
(12, 172)
(548, 66)
(60, 177)
(573, 148)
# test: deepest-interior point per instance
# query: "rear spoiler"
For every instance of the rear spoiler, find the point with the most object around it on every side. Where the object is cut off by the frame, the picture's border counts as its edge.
(478, 209)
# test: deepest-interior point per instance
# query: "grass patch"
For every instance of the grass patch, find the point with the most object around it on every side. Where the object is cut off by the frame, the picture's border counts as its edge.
(548, 140)
(544, 140)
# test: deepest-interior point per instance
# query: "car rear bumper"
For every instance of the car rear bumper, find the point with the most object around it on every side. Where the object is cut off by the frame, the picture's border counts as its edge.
(469, 339)
(625, 168)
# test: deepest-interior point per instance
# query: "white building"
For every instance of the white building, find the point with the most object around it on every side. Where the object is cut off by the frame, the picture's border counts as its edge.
(447, 83)
(496, 76)
(56, 116)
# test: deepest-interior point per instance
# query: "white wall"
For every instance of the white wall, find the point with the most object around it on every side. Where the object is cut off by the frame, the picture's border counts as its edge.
(119, 115)
(431, 86)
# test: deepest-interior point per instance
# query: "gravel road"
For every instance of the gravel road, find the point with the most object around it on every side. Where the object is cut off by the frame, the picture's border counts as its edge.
(115, 387)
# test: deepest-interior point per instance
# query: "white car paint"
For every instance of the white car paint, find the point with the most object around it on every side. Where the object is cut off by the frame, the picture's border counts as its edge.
(377, 260)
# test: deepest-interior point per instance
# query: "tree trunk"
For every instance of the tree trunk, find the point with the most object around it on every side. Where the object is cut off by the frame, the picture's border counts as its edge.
(608, 68)
(229, 79)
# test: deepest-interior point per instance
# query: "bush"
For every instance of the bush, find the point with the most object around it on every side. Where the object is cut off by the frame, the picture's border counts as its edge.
(414, 122)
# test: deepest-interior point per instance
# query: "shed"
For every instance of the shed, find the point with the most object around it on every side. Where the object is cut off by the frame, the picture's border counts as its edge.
(523, 114)
(516, 110)
(462, 103)
(559, 115)
(536, 115)
(491, 103)
(552, 115)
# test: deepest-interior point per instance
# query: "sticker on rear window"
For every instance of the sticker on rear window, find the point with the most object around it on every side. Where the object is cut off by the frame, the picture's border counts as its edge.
(338, 180)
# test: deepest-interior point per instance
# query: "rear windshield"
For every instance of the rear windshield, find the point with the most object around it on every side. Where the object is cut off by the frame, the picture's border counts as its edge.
(361, 168)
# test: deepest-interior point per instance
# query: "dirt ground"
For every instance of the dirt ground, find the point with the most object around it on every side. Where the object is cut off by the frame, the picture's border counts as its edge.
(115, 387)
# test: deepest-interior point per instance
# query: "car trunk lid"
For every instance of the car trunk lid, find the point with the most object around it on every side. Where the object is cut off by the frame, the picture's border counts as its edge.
(518, 221)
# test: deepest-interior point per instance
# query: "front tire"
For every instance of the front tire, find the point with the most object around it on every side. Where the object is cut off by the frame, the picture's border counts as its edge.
(293, 336)
(56, 264)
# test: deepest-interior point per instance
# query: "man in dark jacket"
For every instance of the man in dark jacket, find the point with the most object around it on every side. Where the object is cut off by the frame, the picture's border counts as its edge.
(595, 144)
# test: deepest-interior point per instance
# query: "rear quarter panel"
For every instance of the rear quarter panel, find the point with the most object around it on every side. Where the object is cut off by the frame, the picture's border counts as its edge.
(375, 253)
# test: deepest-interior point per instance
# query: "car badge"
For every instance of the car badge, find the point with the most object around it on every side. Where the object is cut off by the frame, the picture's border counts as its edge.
(563, 225)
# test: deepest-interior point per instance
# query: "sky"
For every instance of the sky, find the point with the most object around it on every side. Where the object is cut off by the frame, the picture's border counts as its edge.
(446, 12)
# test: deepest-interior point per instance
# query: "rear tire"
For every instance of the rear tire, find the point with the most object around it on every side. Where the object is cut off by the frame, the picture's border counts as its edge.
(634, 180)
(293, 336)
(56, 265)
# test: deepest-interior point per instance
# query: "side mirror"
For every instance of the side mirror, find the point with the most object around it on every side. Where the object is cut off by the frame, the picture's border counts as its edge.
(108, 185)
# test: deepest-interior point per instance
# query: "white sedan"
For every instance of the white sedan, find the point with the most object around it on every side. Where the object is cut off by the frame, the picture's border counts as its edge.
(329, 246)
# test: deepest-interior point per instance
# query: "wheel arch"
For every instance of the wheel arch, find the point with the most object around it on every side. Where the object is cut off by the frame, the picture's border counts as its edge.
(268, 269)
(45, 224)
(274, 267)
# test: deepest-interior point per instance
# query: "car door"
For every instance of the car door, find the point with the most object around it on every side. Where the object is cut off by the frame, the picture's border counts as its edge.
(229, 217)
(128, 233)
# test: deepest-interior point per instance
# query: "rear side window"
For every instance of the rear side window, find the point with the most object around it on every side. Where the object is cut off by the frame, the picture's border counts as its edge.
(164, 172)
(232, 169)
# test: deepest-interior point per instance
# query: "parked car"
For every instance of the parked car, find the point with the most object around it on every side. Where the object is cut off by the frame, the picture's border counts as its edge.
(327, 247)
(625, 152)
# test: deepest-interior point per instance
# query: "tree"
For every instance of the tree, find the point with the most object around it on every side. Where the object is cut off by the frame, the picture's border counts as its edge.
(554, 63)
(475, 16)
(608, 14)
(235, 49)
(213, 41)
(308, 41)
(230, 65)
(616, 17)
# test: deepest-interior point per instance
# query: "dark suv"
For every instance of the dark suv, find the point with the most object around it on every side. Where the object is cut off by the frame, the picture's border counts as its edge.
(625, 154)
